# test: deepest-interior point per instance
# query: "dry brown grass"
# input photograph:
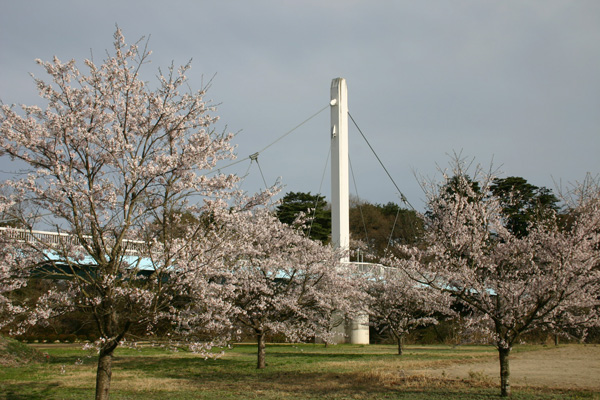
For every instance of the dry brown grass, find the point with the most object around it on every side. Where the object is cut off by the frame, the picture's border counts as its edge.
(362, 373)
(572, 367)
(408, 379)
(84, 377)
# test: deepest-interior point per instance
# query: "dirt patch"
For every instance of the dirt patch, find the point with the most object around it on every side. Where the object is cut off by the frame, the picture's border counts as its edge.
(565, 367)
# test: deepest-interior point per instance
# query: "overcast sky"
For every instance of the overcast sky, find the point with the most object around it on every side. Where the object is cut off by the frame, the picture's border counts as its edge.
(513, 81)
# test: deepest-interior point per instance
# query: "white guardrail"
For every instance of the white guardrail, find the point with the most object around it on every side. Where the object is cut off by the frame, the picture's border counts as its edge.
(373, 269)
(136, 246)
(55, 238)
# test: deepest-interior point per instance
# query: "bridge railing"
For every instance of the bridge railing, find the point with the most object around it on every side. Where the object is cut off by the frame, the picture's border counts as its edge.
(373, 269)
(55, 238)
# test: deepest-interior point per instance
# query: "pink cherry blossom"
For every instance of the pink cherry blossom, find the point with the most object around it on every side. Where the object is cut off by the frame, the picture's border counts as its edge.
(511, 285)
(110, 158)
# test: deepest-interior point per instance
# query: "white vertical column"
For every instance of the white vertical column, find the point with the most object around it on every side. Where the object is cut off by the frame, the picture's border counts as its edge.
(357, 331)
(340, 205)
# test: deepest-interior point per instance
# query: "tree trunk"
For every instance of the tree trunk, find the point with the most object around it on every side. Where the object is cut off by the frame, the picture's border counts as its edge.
(104, 374)
(261, 350)
(504, 372)
(400, 339)
(556, 341)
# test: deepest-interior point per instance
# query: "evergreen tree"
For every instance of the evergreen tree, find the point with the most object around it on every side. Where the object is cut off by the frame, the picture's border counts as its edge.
(523, 203)
(315, 207)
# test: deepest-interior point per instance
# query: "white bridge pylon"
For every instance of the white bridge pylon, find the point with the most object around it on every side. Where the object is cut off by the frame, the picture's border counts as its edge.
(357, 331)
(340, 204)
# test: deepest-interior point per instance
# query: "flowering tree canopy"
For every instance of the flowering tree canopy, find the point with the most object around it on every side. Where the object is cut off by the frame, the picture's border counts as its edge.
(512, 283)
(401, 305)
(109, 162)
(13, 276)
(282, 281)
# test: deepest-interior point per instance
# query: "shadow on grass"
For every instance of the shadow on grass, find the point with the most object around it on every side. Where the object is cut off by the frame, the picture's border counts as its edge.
(293, 372)
(32, 391)
(239, 378)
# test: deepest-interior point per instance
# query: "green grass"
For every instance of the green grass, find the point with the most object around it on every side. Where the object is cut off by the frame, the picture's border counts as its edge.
(293, 372)
(13, 353)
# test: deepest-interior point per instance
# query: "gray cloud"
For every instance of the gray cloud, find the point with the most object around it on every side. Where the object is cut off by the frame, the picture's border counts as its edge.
(514, 81)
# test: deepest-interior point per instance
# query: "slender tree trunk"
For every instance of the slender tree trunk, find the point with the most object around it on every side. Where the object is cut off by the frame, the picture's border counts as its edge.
(400, 340)
(556, 341)
(261, 350)
(504, 371)
(104, 374)
(105, 358)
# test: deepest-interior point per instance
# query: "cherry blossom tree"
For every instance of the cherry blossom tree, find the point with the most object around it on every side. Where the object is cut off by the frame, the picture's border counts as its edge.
(13, 273)
(282, 281)
(511, 283)
(109, 159)
(402, 305)
(13, 276)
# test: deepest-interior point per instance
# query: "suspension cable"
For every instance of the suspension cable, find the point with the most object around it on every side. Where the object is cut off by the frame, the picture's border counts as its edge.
(296, 127)
(243, 177)
(402, 197)
(362, 216)
(254, 157)
(272, 143)
(320, 188)
(389, 243)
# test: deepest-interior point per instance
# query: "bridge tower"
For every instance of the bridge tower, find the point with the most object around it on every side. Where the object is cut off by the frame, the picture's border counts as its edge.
(358, 329)
(340, 205)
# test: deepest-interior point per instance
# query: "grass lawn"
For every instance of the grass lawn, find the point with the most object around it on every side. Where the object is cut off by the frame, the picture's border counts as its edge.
(303, 371)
